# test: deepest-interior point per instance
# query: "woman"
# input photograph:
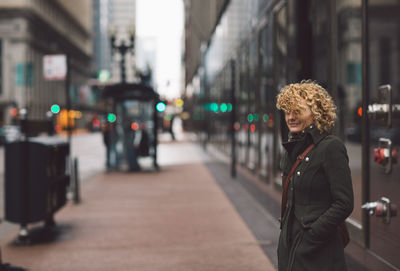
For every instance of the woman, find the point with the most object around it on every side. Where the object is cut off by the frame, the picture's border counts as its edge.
(319, 194)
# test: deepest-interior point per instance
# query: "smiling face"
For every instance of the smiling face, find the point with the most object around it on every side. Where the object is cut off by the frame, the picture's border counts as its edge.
(299, 119)
(292, 100)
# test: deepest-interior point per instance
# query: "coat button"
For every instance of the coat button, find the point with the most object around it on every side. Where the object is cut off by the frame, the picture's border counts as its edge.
(307, 159)
(298, 173)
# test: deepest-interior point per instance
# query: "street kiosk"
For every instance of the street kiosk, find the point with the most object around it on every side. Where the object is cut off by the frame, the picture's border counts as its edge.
(134, 124)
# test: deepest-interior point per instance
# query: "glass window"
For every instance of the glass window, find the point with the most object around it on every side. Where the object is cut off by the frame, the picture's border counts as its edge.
(267, 100)
(384, 132)
(320, 27)
(280, 80)
(267, 89)
(348, 97)
(1, 67)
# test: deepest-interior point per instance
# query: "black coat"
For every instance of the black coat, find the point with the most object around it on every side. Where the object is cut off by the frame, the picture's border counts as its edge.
(320, 197)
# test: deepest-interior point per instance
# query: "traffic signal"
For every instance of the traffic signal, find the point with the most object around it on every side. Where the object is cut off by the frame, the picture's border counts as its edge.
(179, 102)
(104, 76)
(13, 111)
(134, 126)
(160, 107)
(223, 107)
(55, 108)
(111, 117)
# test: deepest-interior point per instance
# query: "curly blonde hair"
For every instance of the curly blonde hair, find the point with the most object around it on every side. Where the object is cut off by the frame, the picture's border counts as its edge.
(321, 104)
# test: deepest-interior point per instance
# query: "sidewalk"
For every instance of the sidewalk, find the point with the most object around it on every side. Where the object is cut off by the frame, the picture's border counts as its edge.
(175, 219)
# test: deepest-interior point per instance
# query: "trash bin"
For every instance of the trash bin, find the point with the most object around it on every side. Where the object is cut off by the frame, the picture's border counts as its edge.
(36, 179)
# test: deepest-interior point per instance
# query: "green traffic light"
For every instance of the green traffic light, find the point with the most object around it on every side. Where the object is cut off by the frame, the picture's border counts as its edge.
(160, 107)
(111, 117)
(55, 108)
(214, 107)
(103, 76)
(224, 107)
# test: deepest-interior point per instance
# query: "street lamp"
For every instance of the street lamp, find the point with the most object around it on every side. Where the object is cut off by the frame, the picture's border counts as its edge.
(123, 48)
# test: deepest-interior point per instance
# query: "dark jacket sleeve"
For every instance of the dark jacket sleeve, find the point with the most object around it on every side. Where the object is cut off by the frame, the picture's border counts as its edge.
(337, 172)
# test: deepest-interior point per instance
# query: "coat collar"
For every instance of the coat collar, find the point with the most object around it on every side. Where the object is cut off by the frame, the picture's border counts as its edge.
(311, 131)
(316, 135)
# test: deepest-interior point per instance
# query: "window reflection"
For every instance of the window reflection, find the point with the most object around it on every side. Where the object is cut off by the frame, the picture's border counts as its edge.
(319, 51)
(280, 56)
(349, 89)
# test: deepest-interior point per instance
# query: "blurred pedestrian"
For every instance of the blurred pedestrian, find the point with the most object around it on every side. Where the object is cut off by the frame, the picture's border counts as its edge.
(130, 152)
(110, 139)
(144, 143)
(114, 155)
(171, 127)
(317, 189)
(106, 130)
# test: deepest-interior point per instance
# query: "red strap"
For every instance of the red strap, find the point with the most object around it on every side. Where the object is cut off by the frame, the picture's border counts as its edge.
(287, 180)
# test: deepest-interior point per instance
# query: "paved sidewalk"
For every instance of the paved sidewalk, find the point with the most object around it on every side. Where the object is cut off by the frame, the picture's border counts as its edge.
(177, 219)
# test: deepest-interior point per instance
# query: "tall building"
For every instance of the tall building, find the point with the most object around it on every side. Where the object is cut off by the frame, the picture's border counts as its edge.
(101, 40)
(201, 18)
(29, 30)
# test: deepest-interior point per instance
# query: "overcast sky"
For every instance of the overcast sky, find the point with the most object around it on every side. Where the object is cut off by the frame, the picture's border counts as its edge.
(163, 20)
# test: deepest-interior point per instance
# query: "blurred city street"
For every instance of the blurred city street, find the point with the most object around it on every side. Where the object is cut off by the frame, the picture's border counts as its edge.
(174, 219)
(148, 134)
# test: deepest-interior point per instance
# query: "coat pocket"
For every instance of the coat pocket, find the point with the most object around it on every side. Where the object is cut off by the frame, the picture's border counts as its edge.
(311, 238)
(308, 214)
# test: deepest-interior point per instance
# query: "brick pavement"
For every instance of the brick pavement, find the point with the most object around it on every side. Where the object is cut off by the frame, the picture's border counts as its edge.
(177, 219)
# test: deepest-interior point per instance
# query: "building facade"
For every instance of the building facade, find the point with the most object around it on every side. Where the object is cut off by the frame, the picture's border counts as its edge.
(31, 29)
(351, 48)
(102, 10)
(201, 18)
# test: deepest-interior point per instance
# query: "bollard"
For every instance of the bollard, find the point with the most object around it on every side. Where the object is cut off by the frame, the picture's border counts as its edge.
(77, 197)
